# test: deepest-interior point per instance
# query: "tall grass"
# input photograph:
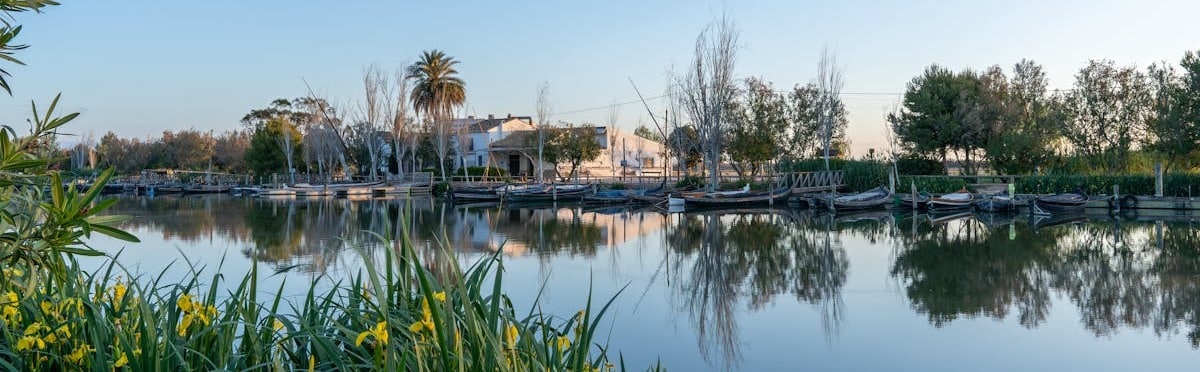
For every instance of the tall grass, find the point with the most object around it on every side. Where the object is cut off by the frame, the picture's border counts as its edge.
(394, 315)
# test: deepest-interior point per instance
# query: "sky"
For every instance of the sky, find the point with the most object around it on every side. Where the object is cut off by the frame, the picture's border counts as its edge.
(140, 67)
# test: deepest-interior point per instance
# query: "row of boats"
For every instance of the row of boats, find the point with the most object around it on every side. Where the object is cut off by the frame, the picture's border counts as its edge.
(961, 200)
(590, 194)
(878, 198)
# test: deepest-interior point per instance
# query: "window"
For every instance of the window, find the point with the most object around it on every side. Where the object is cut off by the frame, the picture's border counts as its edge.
(479, 160)
(648, 163)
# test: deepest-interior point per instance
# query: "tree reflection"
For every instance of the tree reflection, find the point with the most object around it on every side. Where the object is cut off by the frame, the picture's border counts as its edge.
(1118, 274)
(725, 258)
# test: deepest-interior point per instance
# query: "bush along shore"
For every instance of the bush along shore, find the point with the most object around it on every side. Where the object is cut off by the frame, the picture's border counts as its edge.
(395, 315)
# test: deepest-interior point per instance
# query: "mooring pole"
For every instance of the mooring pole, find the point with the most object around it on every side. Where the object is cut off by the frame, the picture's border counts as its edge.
(1158, 180)
(1117, 197)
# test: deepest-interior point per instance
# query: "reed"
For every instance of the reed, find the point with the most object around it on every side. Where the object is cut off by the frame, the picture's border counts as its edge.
(394, 315)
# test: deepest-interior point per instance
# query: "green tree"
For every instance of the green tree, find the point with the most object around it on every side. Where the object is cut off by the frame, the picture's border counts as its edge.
(757, 119)
(1175, 119)
(647, 133)
(436, 93)
(266, 154)
(1023, 139)
(1108, 107)
(930, 122)
(576, 145)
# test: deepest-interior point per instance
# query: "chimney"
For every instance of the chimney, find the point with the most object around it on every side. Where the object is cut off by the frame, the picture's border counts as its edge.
(490, 116)
(510, 115)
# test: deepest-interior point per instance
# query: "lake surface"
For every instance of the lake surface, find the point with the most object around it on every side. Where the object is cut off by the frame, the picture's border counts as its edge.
(753, 290)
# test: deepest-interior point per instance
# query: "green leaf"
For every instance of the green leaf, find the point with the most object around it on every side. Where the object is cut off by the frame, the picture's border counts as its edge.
(81, 251)
(116, 233)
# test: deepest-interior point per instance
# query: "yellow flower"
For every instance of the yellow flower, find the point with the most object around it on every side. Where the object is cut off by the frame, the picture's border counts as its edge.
(122, 361)
(380, 333)
(77, 355)
(47, 307)
(33, 328)
(439, 296)
(184, 324)
(563, 343)
(11, 297)
(184, 303)
(63, 331)
(416, 327)
(278, 324)
(312, 363)
(426, 314)
(510, 335)
(118, 293)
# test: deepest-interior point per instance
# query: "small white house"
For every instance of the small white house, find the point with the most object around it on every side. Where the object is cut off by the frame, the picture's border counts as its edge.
(481, 134)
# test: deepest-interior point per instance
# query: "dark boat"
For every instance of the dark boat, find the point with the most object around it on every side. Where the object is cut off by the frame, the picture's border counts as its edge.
(907, 200)
(206, 189)
(548, 194)
(952, 201)
(475, 193)
(779, 195)
(995, 203)
(607, 197)
(874, 198)
(948, 215)
(1068, 202)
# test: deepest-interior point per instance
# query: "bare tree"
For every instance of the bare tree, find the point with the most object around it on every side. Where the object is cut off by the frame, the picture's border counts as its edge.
(287, 144)
(543, 121)
(400, 127)
(829, 83)
(708, 87)
(375, 108)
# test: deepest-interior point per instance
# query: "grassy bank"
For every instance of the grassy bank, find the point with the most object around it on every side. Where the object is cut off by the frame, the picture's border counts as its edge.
(397, 315)
(1137, 184)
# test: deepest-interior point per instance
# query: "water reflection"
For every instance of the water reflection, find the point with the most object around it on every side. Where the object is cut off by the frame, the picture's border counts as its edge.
(752, 257)
(1117, 274)
(719, 268)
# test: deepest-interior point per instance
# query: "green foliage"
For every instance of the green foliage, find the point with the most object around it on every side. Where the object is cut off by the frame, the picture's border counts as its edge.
(1108, 111)
(919, 167)
(36, 229)
(617, 186)
(758, 119)
(928, 124)
(1175, 123)
(690, 181)
(647, 133)
(1174, 184)
(266, 155)
(573, 145)
(397, 315)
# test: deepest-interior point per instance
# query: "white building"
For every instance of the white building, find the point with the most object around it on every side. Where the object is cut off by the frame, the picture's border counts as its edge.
(481, 134)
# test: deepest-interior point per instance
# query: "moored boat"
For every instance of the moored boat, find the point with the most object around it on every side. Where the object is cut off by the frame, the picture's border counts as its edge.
(1068, 202)
(961, 199)
(874, 198)
(778, 195)
(995, 203)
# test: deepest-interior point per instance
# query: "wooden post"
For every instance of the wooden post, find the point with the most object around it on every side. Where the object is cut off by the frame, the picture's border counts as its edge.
(1117, 197)
(914, 195)
(1158, 180)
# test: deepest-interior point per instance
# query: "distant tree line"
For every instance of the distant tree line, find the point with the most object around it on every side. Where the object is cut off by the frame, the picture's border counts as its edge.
(1111, 116)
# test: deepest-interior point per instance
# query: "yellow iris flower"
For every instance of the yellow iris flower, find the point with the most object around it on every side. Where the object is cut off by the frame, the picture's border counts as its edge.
(380, 333)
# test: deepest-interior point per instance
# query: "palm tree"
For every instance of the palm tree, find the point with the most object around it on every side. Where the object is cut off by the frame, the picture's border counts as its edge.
(436, 94)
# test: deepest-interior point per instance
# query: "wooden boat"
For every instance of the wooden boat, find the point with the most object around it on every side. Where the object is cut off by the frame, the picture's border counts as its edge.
(907, 200)
(607, 197)
(548, 194)
(206, 189)
(779, 195)
(1069, 202)
(874, 198)
(995, 203)
(276, 192)
(955, 200)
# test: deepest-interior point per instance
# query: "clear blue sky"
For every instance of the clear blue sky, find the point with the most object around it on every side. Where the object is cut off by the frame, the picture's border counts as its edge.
(140, 67)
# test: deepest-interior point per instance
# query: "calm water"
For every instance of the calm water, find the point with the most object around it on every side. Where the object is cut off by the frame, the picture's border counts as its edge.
(756, 289)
